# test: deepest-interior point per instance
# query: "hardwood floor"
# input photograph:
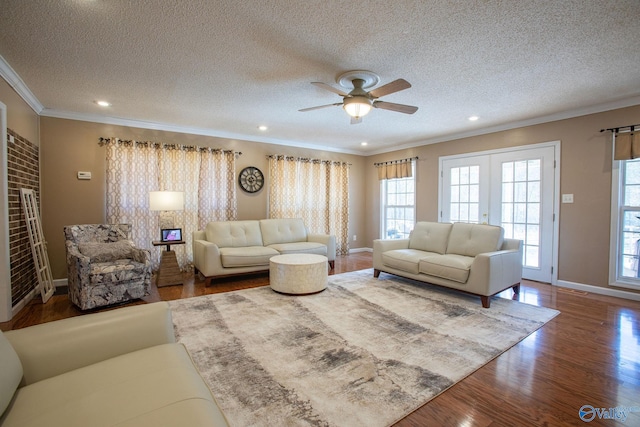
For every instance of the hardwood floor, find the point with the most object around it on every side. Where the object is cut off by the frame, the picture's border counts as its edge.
(588, 355)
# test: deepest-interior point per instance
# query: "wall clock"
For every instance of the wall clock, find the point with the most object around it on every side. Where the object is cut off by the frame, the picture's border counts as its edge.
(251, 179)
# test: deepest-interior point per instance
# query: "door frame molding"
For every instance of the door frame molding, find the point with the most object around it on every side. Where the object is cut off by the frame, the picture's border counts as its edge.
(556, 188)
(5, 277)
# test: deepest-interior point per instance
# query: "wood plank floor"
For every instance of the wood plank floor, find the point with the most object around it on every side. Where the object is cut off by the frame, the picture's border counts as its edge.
(588, 355)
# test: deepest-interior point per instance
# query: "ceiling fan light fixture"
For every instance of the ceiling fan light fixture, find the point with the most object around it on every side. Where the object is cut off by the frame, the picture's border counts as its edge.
(357, 106)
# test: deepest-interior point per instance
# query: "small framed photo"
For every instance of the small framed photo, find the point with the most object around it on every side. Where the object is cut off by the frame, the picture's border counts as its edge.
(171, 234)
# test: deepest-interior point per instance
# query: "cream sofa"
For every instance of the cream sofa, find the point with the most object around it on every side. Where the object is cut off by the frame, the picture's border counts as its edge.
(120, 367)
(226, 248)
(473, 258)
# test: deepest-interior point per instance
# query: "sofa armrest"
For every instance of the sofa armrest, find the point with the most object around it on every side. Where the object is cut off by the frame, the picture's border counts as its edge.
(61, 346)
(495, 271)
(382, 245)
(328, 240)
(206, 257)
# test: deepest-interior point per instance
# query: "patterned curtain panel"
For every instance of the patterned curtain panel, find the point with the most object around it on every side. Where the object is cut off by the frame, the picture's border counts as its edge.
(316, 191)
(395, 169)
(206, 176)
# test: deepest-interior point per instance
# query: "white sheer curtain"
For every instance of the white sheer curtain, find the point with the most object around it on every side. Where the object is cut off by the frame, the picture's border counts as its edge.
(316, 191)
(206, 176)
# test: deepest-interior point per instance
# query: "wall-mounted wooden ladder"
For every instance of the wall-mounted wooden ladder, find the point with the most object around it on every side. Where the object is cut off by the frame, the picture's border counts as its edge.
(38, 245)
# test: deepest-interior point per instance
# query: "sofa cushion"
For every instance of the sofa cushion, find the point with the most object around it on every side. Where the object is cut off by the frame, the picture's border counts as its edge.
(107, 252)
(234, 234)
(300, 248)
(473, 239)
(246, 257)
(137, 388)
(404, 259)
(10, 374)
(450, 267)
(283, 230)
(430, 236)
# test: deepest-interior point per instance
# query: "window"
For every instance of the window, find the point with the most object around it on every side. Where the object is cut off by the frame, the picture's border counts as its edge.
(627, 223)
(521, 206)
(398, 206)
(465, 194)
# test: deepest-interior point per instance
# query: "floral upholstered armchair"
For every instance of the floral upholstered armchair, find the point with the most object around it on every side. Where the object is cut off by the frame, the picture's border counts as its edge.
(104, 267)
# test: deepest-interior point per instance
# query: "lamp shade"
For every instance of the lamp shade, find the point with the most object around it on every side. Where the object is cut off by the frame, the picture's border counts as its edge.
(357, 106)
(166, 200)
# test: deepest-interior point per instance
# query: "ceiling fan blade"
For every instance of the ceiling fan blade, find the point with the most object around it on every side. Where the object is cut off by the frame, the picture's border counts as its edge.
(400, 108)
(329, 88)
(355, 121)
(394, 86)
(319, 107)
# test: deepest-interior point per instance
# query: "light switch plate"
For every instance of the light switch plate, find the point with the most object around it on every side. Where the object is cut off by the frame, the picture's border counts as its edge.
(84, 175)
(567, 198)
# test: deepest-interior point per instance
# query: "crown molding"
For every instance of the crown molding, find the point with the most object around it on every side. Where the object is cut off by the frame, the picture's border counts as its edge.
(593, 109)
(119, 121)
(14, 80)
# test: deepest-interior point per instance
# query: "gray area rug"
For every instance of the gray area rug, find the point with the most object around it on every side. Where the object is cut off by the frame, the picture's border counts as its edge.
(365, 352)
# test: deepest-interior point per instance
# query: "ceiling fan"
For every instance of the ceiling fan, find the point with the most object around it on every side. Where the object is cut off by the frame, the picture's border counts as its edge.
(358, 102)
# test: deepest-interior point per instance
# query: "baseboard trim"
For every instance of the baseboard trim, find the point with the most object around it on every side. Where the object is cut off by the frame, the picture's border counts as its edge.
(58, 283)
(599, 290)
(23, 302)
(356, 250)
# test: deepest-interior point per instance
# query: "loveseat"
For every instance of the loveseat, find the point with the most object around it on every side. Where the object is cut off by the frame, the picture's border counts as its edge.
(474, 258)
(120, 367)
(226, 248)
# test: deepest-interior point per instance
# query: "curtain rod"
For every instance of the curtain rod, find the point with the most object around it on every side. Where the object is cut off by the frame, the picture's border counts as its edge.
(303, 159)
(396, 161)
(176, 146)
(616, 130)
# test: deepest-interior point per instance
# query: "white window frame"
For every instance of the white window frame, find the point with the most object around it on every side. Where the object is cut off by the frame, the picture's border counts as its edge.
(617, 212)
(383, 201)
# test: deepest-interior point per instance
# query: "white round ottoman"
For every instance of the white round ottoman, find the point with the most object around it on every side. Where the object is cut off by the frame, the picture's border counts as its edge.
(298, 274)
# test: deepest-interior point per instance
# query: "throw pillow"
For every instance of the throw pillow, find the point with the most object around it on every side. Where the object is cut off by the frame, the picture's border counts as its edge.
(106, 252)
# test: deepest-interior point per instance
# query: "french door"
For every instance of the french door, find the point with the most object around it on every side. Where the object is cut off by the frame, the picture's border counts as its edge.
(514, 189)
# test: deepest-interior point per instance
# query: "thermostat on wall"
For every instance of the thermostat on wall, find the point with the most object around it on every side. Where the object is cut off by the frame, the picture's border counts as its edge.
(84, 175)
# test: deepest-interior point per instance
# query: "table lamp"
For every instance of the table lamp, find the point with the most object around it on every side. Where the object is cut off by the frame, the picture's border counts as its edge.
(166, 202)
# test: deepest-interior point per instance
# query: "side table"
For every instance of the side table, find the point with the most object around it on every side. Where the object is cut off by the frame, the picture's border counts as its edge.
(169, 271)
(298, 274)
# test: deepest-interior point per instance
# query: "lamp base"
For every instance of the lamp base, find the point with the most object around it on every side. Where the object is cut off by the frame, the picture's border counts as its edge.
(167, 219)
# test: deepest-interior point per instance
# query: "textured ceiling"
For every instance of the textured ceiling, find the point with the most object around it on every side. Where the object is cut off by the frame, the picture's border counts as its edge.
(224, 67)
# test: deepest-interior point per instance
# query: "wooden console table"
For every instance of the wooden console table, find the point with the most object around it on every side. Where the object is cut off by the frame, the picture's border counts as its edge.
(169, 271)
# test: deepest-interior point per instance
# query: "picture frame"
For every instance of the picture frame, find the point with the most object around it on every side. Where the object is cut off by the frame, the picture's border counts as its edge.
(171, 235)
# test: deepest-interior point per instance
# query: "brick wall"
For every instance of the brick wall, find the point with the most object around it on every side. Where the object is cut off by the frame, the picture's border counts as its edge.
(23, 172)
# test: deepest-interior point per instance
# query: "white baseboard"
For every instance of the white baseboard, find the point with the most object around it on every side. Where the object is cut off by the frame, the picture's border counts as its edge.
(599, 290)
(58, 283)
(356, 250)
(23, 302)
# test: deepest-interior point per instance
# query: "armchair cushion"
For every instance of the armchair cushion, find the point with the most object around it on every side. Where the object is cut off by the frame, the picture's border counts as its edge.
(106, 252)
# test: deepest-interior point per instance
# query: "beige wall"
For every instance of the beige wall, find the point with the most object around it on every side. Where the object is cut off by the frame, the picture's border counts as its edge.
(69, 146)
(585, 172)
(20, 117)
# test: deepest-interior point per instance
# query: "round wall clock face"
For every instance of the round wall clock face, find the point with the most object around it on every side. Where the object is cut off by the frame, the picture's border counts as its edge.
(251, 179)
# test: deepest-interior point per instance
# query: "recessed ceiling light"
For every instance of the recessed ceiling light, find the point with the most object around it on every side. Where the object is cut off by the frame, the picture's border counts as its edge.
(364, 143)
(103, 103)
(263, 128)
(473, 118)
